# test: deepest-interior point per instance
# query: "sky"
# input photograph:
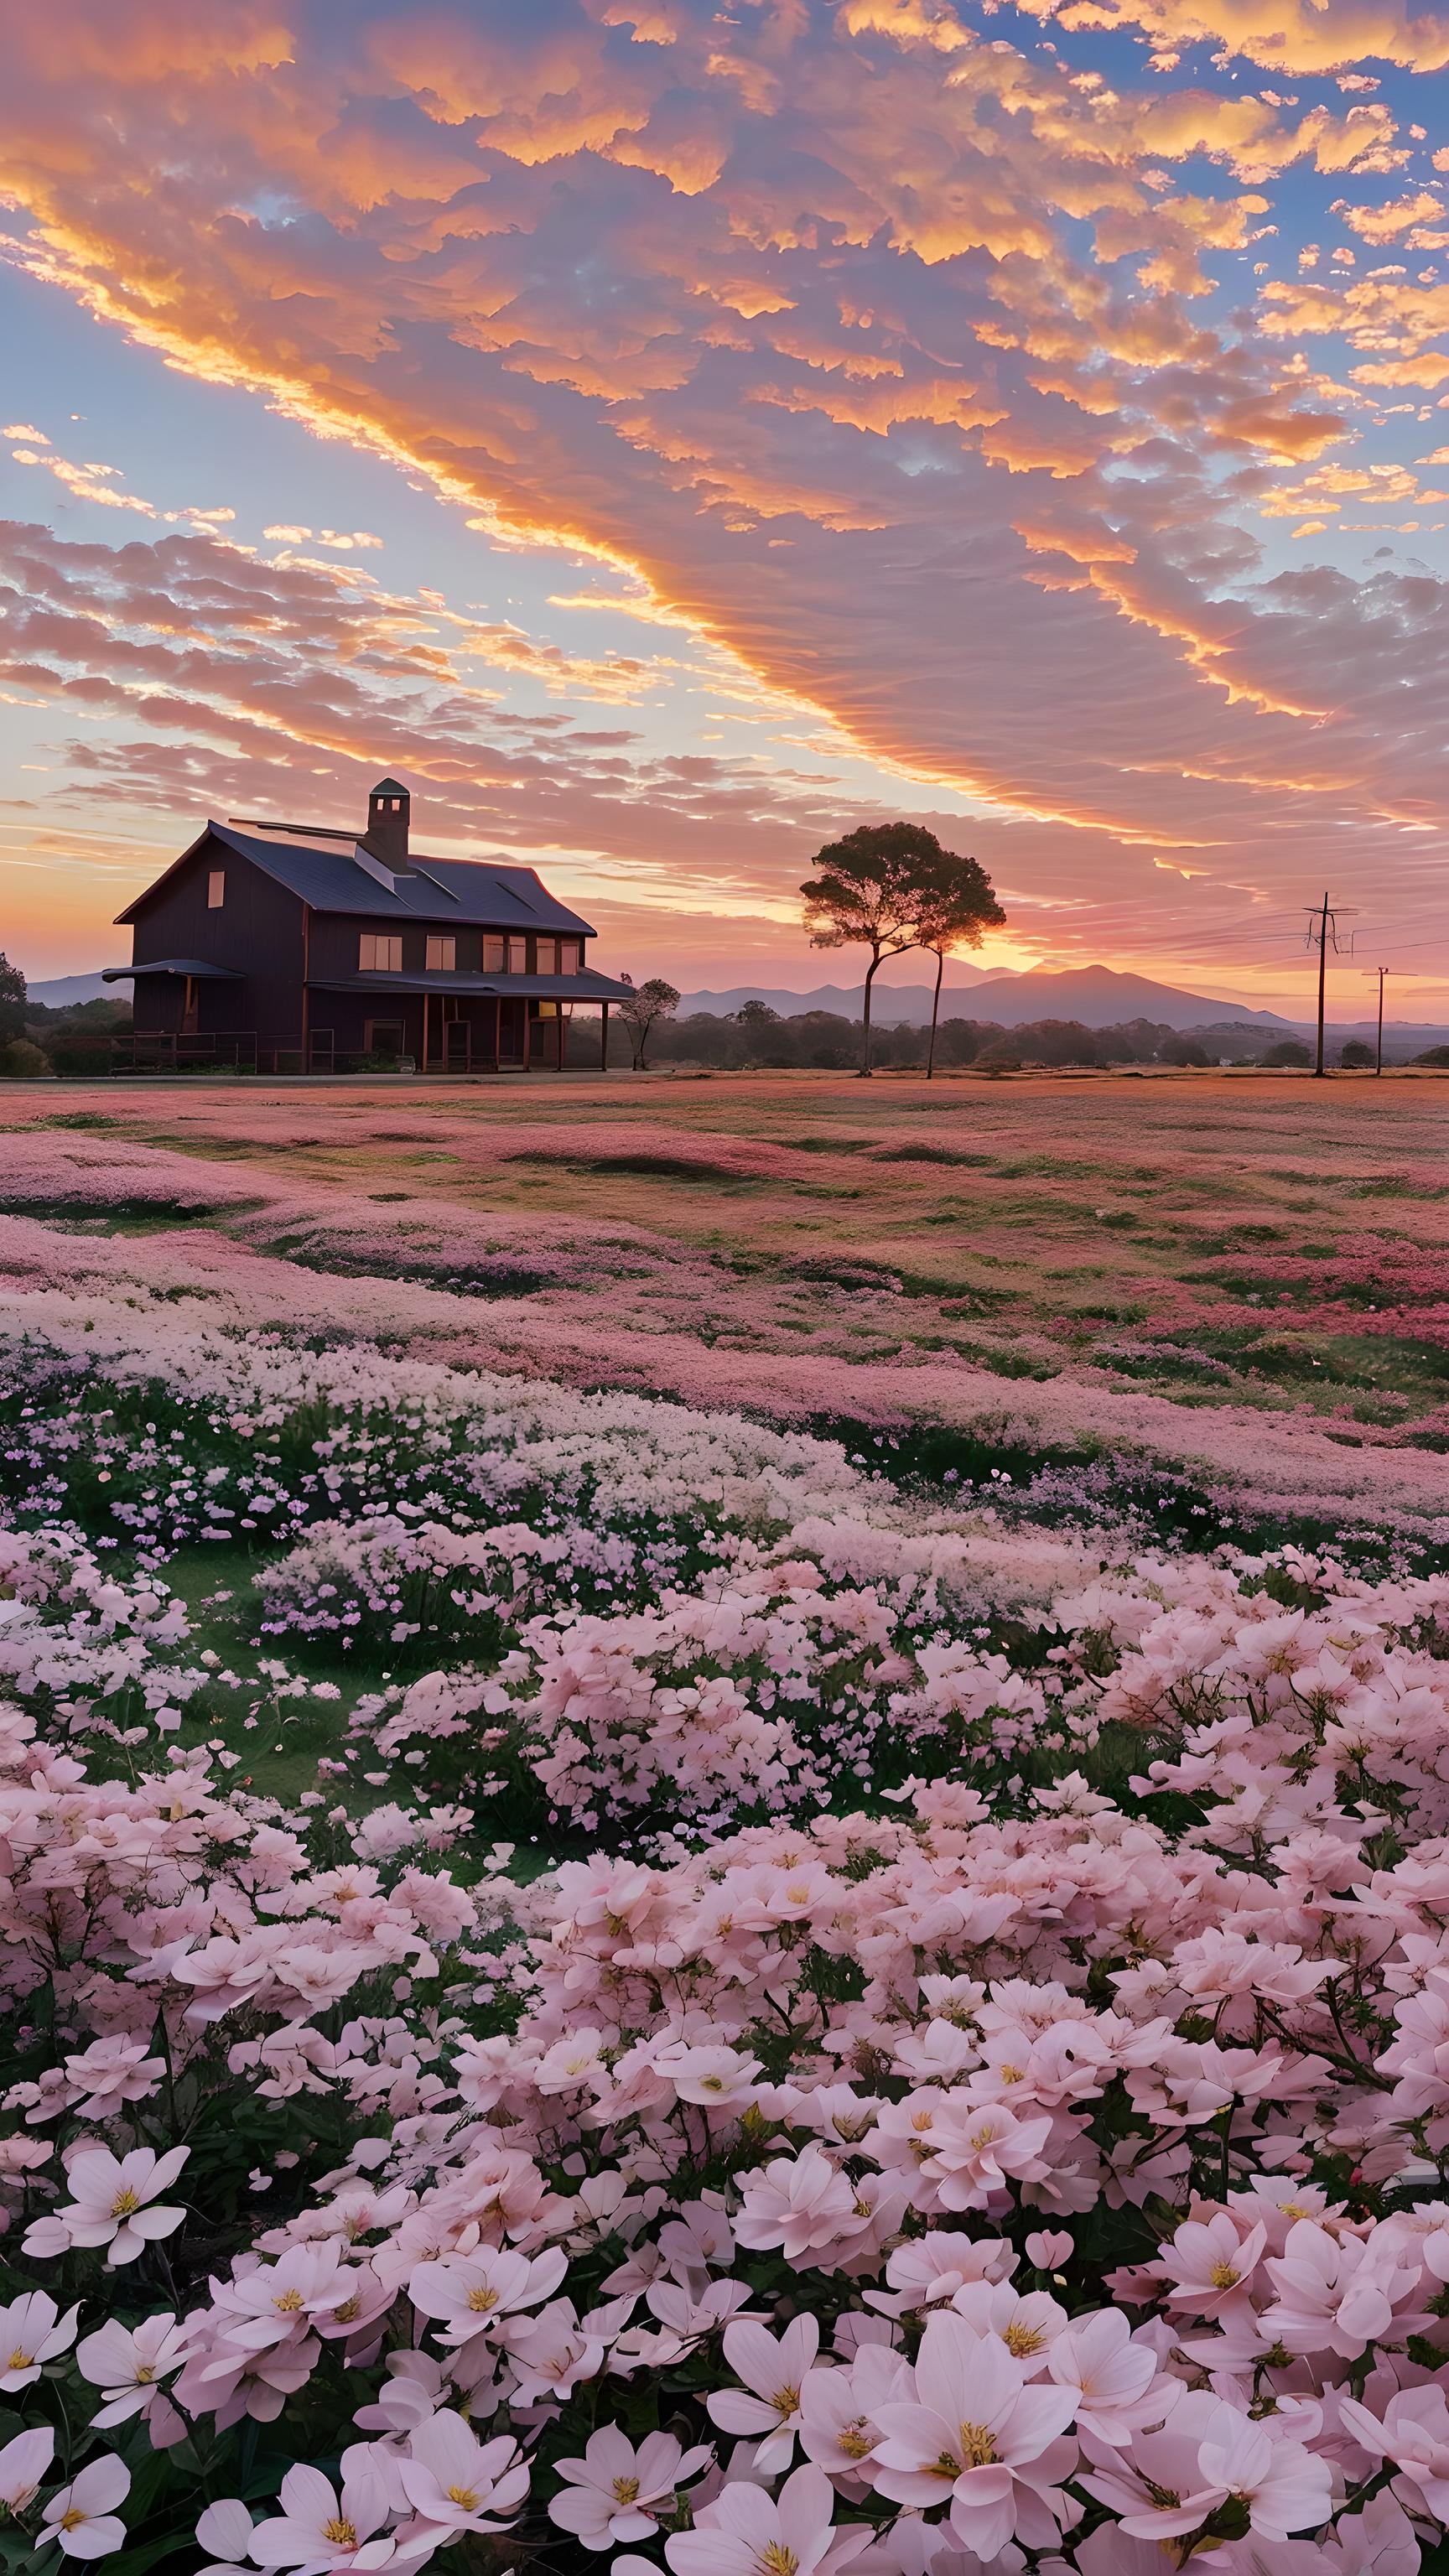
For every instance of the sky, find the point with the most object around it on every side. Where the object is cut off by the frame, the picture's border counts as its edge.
(668, 435)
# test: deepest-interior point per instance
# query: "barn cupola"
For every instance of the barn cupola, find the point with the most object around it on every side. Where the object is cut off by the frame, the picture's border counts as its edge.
(387, 825)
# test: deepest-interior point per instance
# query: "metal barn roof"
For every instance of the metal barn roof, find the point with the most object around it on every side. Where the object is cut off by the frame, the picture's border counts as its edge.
(336, 876)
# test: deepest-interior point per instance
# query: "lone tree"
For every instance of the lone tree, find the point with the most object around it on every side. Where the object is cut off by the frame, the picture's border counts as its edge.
(957, 907)
(647, 1003)
(882, 887)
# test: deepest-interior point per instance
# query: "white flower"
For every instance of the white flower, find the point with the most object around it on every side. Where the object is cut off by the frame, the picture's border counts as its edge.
(614, 2488)
(79, 2516)
(32, 2331)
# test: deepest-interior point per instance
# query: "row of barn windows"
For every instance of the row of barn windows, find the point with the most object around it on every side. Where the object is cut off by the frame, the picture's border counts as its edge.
(380, 953)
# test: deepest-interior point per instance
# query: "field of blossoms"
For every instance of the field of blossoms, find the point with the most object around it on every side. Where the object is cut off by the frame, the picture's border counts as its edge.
(656, 1917)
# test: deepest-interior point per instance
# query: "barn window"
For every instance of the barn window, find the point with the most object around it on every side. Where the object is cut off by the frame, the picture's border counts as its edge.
(548, 957)
(216, 890)
(518, 957)
(569, 957)
(379, 953)
(442, 954)
(492, 953)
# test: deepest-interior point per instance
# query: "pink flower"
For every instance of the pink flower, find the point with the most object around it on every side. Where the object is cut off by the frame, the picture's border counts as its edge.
(748, 2533)
(225, 2530)
(128, 2367)
(1159, 2491)
(23, 2463)
(1113, 2377)
(978, 2149)
(111, 2204)
(801, 2204)
(978, 2434)
(318, 2530)
(839, 2409)
(110, 2072)
(1049, 2248)
(79, 2516)
(468, 2293)
(32, 2331)
(1284, 2487)
(1209, 2260)
(613, 2489)
(773, 2372)
(457, 2484)
(1336, 2296)
(713, 2076)
(1414, 2434)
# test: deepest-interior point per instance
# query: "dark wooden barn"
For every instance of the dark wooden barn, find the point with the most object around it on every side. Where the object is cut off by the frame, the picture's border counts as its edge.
(290, 947)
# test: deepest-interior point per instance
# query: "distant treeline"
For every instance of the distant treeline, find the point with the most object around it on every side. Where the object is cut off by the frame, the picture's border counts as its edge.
(757, 1035)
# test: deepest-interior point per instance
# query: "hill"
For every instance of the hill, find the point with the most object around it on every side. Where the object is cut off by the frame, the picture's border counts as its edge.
(1102, 999)
(63, 992)
(1097, 995)
(891, 1004)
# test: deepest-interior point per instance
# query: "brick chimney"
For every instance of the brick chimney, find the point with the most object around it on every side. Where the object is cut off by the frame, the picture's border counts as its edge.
(387, 825)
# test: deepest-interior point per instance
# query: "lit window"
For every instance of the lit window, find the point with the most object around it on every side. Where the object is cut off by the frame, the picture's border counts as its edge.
(548, 957)
(492, 953)
(216, 890)
(379, 954)
(570, 958)
(518, 957)
(442, 954)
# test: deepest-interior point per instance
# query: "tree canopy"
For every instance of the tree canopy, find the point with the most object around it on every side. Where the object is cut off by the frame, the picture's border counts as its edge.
(893, 886)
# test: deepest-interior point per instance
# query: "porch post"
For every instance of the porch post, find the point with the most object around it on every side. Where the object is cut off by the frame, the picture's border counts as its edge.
(604, 1037)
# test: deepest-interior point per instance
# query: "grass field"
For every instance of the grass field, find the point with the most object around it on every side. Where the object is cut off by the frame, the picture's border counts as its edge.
(1274, 1244)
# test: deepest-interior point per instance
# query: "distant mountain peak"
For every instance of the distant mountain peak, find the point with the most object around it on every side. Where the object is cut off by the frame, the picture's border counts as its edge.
(1101, 996)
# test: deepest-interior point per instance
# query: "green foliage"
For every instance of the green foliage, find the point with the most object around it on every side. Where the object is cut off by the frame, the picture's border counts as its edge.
(21, 1061)
(12, 999)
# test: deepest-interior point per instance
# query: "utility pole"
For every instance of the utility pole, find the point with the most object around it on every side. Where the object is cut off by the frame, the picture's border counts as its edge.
(1323, 925)
(1381, 972)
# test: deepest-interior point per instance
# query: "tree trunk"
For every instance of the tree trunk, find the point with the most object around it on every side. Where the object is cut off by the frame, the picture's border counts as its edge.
(865, 1064)
(935, 1014)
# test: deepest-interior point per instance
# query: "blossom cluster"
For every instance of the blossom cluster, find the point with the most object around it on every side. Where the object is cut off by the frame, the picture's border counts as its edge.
(967, 2088)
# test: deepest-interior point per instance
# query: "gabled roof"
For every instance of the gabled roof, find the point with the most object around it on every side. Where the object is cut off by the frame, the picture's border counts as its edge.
(331, 877)
(389, 787)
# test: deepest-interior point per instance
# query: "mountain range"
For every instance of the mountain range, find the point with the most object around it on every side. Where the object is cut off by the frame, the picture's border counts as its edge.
(1097, 995)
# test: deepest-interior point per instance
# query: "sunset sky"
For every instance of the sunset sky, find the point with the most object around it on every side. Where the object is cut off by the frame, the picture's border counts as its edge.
(667, 435)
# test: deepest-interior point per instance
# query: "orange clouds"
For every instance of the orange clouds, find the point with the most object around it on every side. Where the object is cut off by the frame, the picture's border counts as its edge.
(885, 348)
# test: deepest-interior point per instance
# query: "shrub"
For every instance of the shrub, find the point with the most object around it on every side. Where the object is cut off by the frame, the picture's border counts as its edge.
(22, 1061)
(1287, 1051)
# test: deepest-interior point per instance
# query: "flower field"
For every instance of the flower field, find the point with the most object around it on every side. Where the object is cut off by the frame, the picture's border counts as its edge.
(707, 1953)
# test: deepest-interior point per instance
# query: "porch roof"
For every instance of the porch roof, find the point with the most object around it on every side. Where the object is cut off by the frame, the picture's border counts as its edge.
(584, 987)
(196, 967)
